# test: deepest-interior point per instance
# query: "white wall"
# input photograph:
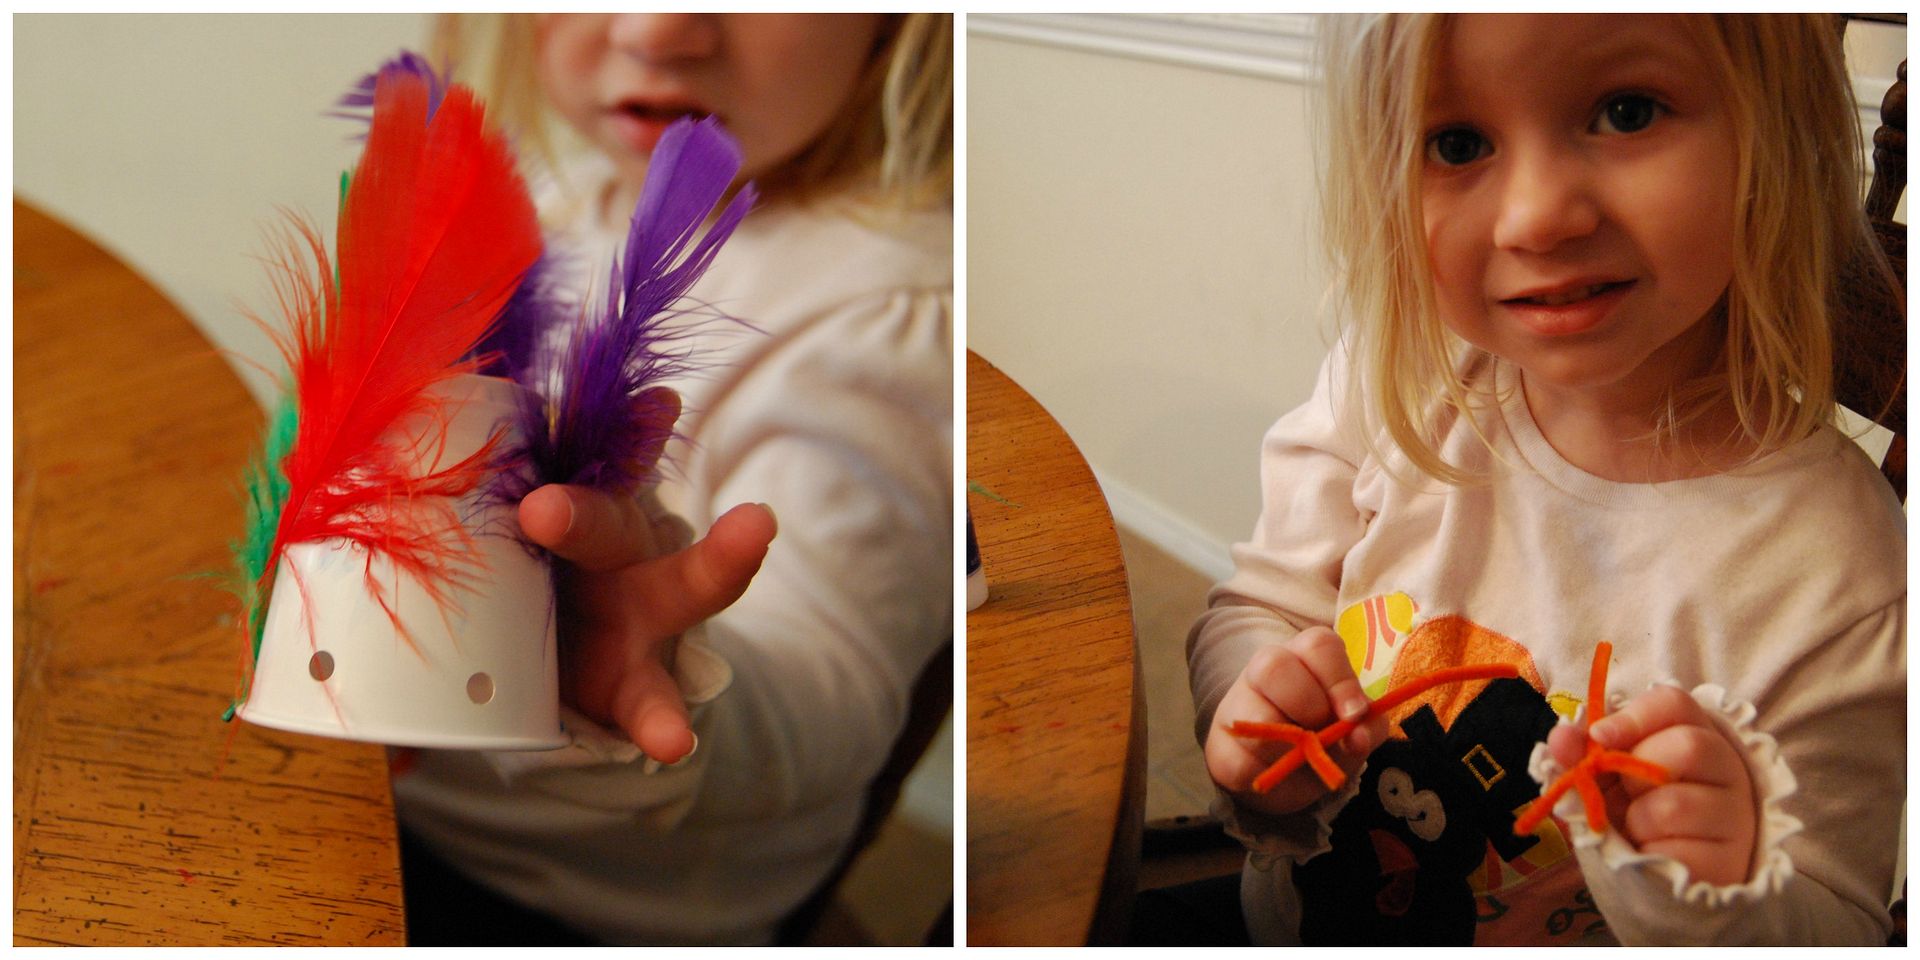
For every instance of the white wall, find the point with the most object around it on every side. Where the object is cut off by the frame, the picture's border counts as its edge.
(170, 139)
(1141, 258)
(1141, 245)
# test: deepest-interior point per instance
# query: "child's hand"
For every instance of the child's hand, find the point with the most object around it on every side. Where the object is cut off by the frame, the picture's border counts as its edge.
(622, 606)
(1306, 681)
(1705, 817)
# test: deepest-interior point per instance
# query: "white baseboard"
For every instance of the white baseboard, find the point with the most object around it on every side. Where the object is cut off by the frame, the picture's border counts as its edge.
(1168, 531)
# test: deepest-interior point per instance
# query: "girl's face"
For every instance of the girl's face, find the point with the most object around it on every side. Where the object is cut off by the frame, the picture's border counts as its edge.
(1578, 196)
(775, 80)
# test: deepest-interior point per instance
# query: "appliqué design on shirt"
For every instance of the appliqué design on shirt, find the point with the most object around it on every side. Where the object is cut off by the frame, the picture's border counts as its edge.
(1425, 853)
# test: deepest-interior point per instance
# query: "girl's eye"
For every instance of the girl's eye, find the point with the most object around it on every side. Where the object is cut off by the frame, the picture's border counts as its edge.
(1627, 113)
(1456, 147)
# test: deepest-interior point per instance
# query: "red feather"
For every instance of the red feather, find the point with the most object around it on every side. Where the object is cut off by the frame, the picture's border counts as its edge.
(435, 233)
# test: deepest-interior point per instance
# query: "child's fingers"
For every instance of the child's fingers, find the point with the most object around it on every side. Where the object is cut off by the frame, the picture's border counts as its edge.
(1325, 654)
(1613, 788)
(1361, 742)
(592, 529)
(682, 589)
(648, 706)
(659, 408)
(1278, 675)
(1568, 744)
(1310, 680)
(1695, 754)
(593, 661)
(1715, 861)
(1705, 828)
(1234, 761)
(1298, 681)
(1647, 714)
(1680, 811)
(1705, 817)
(1234, 764)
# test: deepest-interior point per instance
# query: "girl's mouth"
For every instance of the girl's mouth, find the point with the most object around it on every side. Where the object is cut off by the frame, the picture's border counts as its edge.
(639, 123)
(1568, 310)
(665, 113)
(1562, 297)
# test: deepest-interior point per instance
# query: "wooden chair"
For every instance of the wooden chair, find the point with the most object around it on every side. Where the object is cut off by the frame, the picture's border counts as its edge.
(1870, 342)
(1870, 370)
(931, 701)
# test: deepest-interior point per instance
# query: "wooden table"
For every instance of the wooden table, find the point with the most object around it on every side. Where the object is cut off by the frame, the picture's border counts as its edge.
(130, 435)
(1056, 739)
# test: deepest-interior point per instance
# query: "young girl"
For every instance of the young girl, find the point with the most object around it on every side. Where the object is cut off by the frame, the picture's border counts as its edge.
(1584, 398)
(718, 773)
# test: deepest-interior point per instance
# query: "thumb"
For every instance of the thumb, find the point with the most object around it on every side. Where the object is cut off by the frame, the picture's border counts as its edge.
(596, 529)
(1568, 744)
(593, 529)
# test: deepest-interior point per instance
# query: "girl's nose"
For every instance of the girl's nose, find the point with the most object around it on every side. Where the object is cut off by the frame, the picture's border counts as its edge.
(1548, 199)
(664, 37)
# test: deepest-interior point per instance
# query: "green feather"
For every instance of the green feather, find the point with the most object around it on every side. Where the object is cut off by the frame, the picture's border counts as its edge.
(346, 180)
(266, 483)
(266, 496)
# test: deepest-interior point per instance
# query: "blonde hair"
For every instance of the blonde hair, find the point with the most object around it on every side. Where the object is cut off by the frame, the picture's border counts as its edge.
(892, 143)
(1798, 222)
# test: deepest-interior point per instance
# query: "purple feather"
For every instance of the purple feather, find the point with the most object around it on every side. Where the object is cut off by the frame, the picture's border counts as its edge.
(357, 104)
(537, 307)
(599, 430)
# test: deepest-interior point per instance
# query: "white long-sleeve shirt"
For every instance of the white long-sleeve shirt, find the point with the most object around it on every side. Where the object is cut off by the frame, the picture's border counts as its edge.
(1777, 592)
(838, 414)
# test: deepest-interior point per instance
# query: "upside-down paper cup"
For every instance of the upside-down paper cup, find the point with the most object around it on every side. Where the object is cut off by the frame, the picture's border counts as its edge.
(477, 672)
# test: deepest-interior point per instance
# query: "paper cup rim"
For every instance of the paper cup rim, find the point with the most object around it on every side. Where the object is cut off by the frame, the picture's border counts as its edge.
(431, 741)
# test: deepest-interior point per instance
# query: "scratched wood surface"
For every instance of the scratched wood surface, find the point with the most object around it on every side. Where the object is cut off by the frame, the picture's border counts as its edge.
(130, 434)
(1055, 724)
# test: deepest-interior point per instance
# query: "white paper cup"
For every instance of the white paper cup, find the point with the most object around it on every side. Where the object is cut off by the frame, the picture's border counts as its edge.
(480, 672)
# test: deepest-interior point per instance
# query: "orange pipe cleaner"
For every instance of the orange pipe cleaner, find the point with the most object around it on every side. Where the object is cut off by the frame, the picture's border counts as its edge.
(1311, 747)
(1598, 760)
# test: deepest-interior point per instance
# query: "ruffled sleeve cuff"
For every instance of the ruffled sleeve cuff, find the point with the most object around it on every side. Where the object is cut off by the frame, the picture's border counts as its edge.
(1640, 891)
(1296, 837)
